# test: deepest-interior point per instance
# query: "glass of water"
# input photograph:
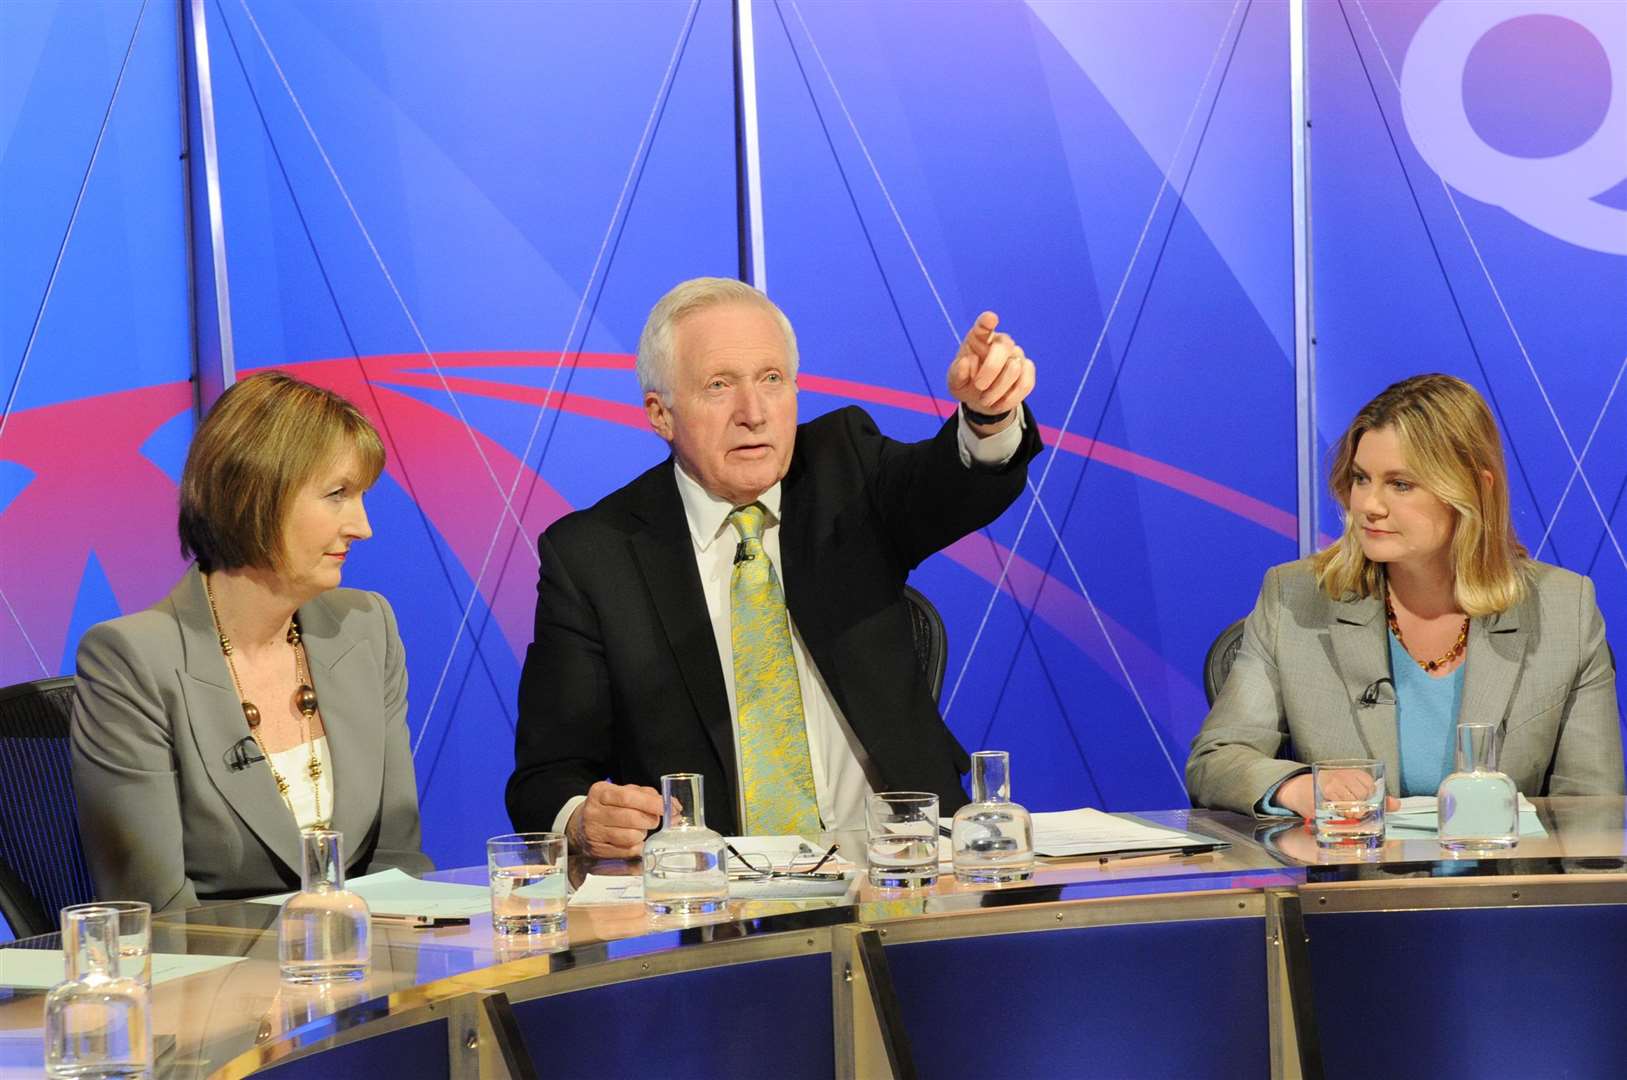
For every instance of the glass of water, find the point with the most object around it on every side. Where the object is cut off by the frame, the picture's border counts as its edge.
(1349, 802)
(528, 875)
(135, 925)
(901, 839)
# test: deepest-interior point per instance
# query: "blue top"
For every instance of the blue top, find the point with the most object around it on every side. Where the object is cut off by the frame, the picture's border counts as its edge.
(1426, 713)
(1426, 710)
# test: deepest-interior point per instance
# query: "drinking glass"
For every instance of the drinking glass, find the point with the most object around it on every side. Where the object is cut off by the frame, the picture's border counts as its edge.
(135, 922)
(901, 839)
(1349, 802)
(1478, 807)
(993, 837)
(98, 1022)
(323, 931)
(684, 869)
(528, 876)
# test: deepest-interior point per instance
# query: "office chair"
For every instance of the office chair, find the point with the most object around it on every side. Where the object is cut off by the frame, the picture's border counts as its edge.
(39, 830)
(931, 640)
(1218, 664)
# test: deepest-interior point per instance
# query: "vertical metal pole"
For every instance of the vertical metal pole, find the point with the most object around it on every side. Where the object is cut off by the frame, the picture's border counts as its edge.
(186, 200)
(1304, 310)
(747, 159)
(212, 310)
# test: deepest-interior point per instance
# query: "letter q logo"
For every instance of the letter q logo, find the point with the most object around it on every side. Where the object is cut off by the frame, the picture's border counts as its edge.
(1555, 194)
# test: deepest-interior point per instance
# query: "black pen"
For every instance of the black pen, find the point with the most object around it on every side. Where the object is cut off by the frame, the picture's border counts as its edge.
(423, 922)
(1159, 853)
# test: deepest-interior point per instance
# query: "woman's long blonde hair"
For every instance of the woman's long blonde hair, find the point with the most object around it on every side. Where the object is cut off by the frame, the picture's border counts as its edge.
(1451, 442)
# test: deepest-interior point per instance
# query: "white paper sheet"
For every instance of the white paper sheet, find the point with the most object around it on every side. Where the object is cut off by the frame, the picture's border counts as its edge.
(41, 969)
(1087, 831)
(606, 889)
(396, 892)
(1417, 816)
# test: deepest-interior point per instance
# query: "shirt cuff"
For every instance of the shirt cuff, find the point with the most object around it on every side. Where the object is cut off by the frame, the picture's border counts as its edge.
(563, 818)
(1267, 806)
(991, 450)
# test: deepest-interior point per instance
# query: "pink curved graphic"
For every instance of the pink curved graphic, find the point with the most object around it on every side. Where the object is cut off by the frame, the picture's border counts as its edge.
(93, 491)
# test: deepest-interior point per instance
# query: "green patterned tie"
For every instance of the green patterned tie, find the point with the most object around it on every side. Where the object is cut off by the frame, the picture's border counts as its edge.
(776, 774)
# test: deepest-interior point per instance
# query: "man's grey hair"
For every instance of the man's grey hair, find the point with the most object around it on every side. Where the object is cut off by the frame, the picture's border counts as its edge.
(656, 361)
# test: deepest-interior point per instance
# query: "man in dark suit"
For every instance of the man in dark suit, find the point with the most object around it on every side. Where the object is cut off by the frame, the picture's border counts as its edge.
(664, 639)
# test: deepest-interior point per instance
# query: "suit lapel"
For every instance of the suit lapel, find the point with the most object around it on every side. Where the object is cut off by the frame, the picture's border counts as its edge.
(1496, 651)
(664, 551)
(1362, 653)
(804, 570)
(350, 690)
(215, 717)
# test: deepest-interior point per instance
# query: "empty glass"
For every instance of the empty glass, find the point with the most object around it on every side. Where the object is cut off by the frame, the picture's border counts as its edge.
(1478, 807)
(1349, 802)
(993, 837)
(528, 874)
(684, 870)
(97, 1022)
(323, 930)
(901, 839)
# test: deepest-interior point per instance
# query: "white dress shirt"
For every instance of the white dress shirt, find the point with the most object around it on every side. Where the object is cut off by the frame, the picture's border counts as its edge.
(841, 768)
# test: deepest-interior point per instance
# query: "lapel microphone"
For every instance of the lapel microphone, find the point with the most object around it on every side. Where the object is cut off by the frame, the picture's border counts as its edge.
(243, 753)
(1371, 696)
(741, 554)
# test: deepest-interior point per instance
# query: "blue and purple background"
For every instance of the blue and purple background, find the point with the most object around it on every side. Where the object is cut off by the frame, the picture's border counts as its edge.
(458, 214)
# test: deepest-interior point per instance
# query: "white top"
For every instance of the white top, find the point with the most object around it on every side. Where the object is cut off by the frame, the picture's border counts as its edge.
(841, 768)
(292, 764)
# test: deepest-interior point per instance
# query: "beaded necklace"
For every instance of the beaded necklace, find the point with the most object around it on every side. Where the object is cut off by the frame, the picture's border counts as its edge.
(305, 700)
(1428, 665)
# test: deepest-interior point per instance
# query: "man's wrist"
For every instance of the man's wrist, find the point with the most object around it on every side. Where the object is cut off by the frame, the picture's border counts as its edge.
(983, 419)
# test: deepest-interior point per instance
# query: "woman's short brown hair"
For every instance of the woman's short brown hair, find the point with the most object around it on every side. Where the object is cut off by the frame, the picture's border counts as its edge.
(267, 436)
(1450, 440)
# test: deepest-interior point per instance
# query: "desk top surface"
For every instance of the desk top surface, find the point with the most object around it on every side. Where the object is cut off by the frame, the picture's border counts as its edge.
(218, 1016)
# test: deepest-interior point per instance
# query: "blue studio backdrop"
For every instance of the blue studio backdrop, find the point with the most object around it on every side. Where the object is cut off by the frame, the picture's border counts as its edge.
(458, 215)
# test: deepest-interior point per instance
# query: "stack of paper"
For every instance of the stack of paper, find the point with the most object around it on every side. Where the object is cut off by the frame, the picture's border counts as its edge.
(1088, 831)
(604, 889)
(1095, 832)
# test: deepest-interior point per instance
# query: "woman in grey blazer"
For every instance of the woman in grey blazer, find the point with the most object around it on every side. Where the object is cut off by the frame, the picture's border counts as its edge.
(258, 697)
(1427, 609)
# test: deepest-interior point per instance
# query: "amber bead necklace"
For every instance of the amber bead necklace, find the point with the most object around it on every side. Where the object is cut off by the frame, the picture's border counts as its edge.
(1439, 662)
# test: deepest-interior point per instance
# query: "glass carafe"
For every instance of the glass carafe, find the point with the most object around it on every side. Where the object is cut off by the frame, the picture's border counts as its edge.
(1479, 807)
(97, 1023)
(322, 933)
(684, 869)
(993, 837)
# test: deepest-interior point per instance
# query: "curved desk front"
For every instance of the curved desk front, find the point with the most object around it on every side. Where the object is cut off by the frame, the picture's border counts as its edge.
(1269, 959)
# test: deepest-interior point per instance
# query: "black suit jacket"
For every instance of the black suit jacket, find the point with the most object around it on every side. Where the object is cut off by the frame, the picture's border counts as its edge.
(623, 680)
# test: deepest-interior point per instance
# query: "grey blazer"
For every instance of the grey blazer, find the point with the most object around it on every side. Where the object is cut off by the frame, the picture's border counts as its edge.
(171, 814)
(1311, 682)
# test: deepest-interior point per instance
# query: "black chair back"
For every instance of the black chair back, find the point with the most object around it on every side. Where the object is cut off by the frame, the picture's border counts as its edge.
(39, 829)
(1218, 664)
(931, 639)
